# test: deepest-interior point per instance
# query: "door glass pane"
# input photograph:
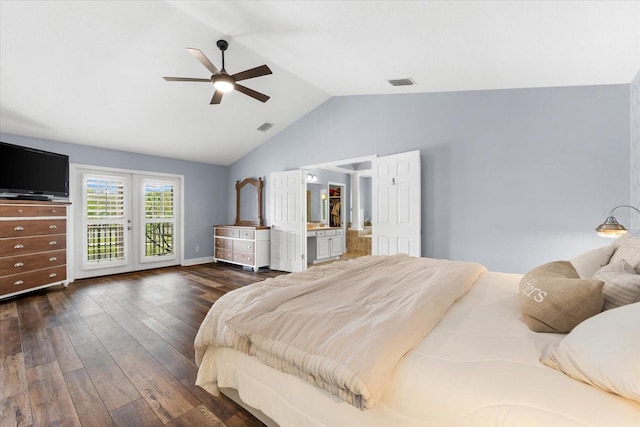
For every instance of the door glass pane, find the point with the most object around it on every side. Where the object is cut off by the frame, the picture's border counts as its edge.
(104, 219)
(159, 209)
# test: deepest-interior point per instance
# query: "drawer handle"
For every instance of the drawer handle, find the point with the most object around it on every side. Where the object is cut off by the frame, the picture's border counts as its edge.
(52, 259)
(52, 275)
(53, 211)
(18, 264)
(18, 228)
(18, 246)
(53, 242)
(19, 210)
(18, 283)
(53, 227)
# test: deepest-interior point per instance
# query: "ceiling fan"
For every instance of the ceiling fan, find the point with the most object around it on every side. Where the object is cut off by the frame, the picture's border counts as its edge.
(222, 81)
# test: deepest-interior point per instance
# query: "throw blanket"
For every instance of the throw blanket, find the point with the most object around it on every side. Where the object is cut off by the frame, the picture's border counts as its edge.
(343, 327)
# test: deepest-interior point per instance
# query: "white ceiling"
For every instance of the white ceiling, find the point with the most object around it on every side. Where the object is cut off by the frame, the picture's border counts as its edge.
(90, 72)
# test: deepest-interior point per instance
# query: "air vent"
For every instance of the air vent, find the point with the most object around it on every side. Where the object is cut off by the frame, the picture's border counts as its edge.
(402, 82)
(265, 127)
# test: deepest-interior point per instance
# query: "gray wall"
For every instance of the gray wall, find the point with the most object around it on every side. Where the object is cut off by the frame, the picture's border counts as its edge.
(205, 186)
(510, 178)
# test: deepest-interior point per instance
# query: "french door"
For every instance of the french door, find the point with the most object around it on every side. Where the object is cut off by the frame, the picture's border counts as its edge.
(124, 222)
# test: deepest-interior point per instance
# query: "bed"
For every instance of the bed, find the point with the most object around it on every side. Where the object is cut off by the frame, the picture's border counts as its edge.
(478, 364)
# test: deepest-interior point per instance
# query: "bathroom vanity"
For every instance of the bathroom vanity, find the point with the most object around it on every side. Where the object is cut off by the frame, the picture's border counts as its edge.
(324, 244)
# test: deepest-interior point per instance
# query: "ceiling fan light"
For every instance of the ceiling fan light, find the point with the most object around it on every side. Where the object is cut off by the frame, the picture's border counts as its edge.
(223, 83)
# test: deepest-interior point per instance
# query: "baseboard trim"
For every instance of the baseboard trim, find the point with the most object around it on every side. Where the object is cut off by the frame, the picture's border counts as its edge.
(196, 261)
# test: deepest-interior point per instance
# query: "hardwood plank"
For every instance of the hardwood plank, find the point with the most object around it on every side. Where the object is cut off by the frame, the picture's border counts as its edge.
(76, 329)
(107, 330)
(136, 414)
(36, 347)
(242, 419)
(198, 416)
(166, 396)
(89, 407)
(8, 310)
(65, 353)
(51, 403)
(47, 313)
(13, 376)
(112, 384)
(183, 344)
(10, 343)
(15, 411)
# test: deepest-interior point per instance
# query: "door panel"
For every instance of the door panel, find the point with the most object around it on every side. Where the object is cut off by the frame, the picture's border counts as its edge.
(288, 232)
(101, 220)
(396, 204)
(156, 210)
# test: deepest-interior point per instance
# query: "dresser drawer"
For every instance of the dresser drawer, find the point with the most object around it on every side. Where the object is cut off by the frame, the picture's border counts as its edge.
(24, 263)
(243, 246)
(243, 258)
(28, 245)
(24, 227)
(22, 281)
(52, 210)
(246, 234)
(223, 243)
(224, 254)
(18, 211)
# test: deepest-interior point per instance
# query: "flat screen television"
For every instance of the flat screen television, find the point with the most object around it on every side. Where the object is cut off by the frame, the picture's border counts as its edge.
(28, 173)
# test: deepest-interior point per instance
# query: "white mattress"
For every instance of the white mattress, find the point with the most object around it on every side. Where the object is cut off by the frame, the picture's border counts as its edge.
(479, 366)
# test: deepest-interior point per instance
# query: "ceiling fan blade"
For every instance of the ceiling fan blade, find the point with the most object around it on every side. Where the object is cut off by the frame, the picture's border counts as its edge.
(252, 93)
(203, 59)
(185, 79)
(262, 70)
(217, 97)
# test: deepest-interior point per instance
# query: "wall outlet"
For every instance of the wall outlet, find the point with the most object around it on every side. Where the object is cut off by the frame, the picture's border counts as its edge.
(197, 248)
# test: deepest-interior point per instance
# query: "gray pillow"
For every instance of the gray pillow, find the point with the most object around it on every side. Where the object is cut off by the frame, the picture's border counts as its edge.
(554, 299)
(621, 284)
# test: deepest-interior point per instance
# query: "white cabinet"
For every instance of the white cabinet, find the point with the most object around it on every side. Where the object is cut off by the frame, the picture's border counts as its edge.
(246, 246)
(324, 245)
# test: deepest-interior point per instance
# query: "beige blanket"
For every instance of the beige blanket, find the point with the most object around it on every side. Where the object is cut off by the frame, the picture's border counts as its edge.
(343, 327)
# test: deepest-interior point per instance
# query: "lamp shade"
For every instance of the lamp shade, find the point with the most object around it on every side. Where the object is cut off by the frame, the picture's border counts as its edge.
(611, 228)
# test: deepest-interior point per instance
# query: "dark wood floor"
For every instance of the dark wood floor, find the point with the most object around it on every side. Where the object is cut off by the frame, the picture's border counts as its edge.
(116, 350)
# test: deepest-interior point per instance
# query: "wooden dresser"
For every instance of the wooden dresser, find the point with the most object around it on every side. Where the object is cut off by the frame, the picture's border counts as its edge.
(243, 245)
(33, 245)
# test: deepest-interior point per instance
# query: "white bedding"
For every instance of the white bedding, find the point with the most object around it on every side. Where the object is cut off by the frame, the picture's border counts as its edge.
(479, 366)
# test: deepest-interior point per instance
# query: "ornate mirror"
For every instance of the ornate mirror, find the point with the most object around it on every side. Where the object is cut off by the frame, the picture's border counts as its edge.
(249, 202)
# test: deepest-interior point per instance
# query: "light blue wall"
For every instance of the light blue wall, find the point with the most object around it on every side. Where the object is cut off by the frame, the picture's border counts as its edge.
(205, 185)
(510, 178)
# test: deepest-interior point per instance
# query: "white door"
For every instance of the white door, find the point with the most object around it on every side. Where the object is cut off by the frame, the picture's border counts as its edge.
(156, 218)
(124, 222)
(286, 191)
(395, 203)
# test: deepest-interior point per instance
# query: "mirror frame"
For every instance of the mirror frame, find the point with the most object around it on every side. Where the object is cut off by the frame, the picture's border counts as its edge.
(258, 183)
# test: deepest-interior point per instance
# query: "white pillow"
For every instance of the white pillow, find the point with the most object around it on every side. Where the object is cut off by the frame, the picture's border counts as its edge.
(588, 263)
(621, 284)
(627, 248)
(603, 351)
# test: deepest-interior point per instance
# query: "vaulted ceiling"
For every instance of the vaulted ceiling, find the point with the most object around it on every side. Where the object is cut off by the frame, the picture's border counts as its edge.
(90, 72)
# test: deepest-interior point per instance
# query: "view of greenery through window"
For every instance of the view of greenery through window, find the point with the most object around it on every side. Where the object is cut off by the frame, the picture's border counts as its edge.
(106, 219)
